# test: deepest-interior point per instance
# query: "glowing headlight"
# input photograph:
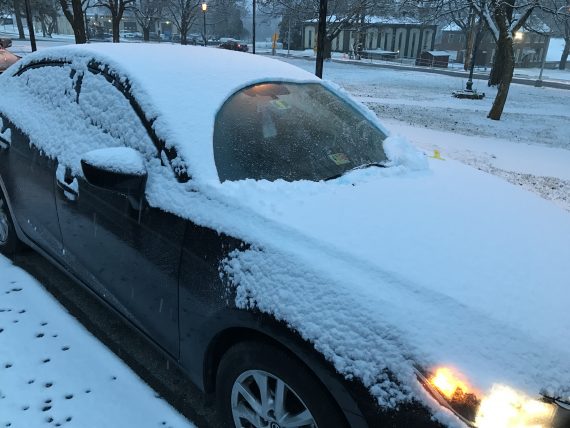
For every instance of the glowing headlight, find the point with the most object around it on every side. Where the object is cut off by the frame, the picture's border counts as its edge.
(505, 407)
(502, 407)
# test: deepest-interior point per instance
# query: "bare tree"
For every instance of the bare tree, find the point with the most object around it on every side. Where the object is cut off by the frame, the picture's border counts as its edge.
(184, 13)
(146, 14)
(46, 12)
(340, 15)
(73, 11)
(502, 18)
(117, 9)
(18, 15)
(226, 17)
(458, 13)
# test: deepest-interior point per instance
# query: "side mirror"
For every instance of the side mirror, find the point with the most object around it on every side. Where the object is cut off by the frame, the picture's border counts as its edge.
(119, 169)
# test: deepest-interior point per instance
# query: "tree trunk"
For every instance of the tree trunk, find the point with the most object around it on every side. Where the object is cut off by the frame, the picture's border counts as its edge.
(502, 74)
(146, 34)
(18, 15)
(468, 51)
(75, 18)
(54, 27)
(470, 41)
(116, 21)
(78, 23)
(564, 57)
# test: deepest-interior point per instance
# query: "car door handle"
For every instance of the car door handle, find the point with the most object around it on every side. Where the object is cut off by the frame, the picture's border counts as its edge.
(69, 189)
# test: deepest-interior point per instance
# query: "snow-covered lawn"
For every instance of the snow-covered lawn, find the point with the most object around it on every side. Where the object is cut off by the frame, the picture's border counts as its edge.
(53, 372)
(529, 146)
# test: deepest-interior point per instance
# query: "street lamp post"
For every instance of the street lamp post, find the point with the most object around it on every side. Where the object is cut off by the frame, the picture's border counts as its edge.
(204, 9)
(253, 27)
(30, 21)
(538, 83)
(289, 37)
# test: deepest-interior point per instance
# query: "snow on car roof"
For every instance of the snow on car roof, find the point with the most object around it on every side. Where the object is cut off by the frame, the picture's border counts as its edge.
(183, 87)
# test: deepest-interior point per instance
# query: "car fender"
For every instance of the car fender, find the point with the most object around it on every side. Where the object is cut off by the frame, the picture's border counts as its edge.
(223, 330)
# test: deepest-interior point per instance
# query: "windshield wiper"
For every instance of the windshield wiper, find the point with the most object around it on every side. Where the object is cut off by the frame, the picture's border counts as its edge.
(363, 166)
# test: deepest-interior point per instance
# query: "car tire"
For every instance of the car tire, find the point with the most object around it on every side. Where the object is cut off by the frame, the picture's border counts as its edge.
(9, 242)
(246, 366)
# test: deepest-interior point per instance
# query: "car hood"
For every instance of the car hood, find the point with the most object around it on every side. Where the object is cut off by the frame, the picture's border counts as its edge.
(386, 270)
(468, 270)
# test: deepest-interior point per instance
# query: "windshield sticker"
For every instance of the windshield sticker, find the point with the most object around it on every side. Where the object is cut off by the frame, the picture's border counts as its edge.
(280, 104)
(339, 158)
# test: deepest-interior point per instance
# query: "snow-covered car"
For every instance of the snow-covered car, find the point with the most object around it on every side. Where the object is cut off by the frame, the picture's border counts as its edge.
(234, 45)
(7, 58)
(271, 236)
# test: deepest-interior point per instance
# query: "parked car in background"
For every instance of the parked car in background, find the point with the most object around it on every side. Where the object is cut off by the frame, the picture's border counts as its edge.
(7, 58)
(5, 43)
(234, 45)
(266, 231)
(131, 35)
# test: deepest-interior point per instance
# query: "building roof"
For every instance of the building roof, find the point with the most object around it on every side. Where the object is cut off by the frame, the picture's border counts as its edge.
(438, 53)
(384, 20)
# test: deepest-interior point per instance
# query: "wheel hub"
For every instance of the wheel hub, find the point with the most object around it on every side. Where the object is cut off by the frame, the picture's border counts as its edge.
(262, 400)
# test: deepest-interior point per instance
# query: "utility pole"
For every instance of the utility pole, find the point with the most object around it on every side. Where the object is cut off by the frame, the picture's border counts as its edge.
(321, 37)
(538, 83)
(30, 26)
(470, 40)
(253, 29)
(289, 37)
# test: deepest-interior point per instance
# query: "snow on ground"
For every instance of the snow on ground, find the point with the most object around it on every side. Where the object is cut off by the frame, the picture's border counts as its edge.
(53, 372)
(529, 146)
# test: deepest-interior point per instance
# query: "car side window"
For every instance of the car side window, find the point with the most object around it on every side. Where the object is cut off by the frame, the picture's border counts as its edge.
(109, 110)
(82, 110)
(49, 86)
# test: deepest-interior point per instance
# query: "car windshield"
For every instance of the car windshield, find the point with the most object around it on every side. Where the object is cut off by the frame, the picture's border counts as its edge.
(293, 132)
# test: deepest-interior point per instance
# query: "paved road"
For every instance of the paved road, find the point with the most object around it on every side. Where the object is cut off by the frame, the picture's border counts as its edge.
(124, 340)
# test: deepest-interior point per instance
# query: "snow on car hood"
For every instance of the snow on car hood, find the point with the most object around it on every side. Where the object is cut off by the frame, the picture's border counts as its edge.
(390, 268)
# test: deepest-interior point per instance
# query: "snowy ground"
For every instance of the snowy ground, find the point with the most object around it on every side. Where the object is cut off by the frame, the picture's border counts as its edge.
(54, 373)
(529, 146)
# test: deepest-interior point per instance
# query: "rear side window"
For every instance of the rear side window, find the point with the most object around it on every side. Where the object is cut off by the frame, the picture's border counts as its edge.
(50, 85)
(292, 132)
(76, 111)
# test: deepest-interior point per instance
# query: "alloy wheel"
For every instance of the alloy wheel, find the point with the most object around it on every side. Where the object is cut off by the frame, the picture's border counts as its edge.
(262, 400)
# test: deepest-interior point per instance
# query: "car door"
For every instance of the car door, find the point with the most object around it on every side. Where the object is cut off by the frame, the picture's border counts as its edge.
(128, 253)
(26, 168)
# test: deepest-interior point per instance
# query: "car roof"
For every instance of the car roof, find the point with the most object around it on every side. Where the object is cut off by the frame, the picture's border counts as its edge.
(180, 88)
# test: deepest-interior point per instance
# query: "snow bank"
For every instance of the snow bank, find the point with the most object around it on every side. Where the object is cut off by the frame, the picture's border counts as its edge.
(401, 153)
